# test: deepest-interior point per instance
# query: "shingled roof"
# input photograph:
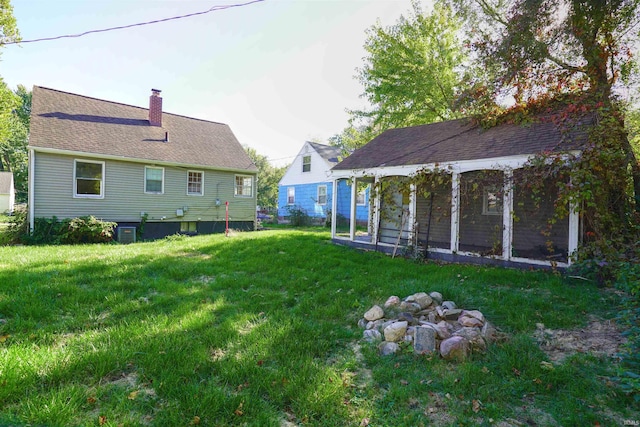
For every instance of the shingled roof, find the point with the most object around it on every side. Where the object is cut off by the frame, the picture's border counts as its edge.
(64, 121)
(327, 152)
(457, 140)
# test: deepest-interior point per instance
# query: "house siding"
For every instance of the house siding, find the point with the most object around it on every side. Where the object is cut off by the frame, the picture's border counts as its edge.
(124, 196)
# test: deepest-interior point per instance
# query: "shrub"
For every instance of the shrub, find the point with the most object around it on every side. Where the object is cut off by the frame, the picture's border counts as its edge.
(87, 229)
(51, 231)
(298, 217)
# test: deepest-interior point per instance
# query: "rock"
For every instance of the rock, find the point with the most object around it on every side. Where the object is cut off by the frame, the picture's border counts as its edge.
(423, 299)
(454, 348)
(387, 348)
(408, 338)
(473, 313)
(436, 296)
(451, 313)
(362, 323)
(424, 340)
(432, 317)
(443, 330)
(372, 335)
(473, 336)
(395, 331)
(407, 317)
(392, 301)
(471, 322)
(489, 332)
(411, 307)
(374, 313)
(449, 305)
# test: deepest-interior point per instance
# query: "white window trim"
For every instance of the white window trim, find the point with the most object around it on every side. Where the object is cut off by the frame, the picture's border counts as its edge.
(201, 193)
(75, 181)
(326, 196)
(485, 202)
(235, 186)
(144, 183)
(293, 202)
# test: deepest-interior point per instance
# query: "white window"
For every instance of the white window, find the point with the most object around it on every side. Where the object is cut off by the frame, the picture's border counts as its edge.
(195, 183)
(88, 179)
(153, 180)
(306, 164)
(291, 195)
(492, 201)
(361, 196)
(322, 194)
(244, 186)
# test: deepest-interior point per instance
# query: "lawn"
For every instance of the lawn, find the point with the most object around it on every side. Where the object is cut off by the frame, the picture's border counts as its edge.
(260, 329)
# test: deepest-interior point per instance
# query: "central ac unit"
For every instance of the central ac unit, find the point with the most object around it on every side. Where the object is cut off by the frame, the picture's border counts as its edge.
(126, 234)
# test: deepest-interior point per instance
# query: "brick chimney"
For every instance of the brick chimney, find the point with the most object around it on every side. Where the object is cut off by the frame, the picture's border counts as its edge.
(155, 108)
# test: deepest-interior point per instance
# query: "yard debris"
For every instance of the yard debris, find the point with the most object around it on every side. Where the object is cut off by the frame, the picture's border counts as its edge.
(429, 324)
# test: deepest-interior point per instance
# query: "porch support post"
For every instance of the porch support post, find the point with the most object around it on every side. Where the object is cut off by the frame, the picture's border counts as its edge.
(376, 208)
(507, 217)
(574, 231)
(354, 196)
(334, 208)
(412, 213)
(455, 210)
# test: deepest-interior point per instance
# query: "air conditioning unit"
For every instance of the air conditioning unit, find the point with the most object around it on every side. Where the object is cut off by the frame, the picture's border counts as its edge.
(126, 234)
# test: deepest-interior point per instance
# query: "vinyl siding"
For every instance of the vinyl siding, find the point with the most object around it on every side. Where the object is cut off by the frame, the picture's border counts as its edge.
(124, 196)
(306, 196)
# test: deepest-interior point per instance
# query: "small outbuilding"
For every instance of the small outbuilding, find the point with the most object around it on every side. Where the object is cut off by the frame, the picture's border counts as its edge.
(455, 191)
(7, 192)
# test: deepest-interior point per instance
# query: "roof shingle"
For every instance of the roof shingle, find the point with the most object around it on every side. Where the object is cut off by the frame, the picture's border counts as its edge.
(76, 123)
(456, 140)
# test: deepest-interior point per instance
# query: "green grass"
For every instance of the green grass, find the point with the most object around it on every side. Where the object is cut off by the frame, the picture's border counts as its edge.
(260, 328)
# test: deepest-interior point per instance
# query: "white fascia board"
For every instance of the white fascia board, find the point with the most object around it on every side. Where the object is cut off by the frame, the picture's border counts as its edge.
(138, 160)
(460, 166)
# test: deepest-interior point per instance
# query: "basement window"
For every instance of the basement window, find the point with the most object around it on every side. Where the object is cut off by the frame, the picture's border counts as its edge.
(190, 227)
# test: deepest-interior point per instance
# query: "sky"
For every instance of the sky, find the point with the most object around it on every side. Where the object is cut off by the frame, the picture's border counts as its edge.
(278, 72)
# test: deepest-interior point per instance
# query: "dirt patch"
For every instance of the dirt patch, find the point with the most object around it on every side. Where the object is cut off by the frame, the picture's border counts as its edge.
(599, 337)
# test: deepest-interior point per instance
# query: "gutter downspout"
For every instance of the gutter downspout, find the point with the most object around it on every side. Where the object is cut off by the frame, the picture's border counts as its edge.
(31, 196)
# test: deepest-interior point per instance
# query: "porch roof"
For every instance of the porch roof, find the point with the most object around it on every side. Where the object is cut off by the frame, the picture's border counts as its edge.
(457, 140)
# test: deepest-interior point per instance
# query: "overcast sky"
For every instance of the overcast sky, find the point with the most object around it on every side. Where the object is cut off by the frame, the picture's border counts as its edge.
(279, 72)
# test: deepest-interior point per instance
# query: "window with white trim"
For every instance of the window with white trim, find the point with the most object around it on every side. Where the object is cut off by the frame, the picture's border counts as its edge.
(361, 198)
(153, 180)
(322, 194)
(195, 186)
(291, 195)
(188, 227)
(492, 201)
(88, 179)
(244, 186)
(306, 164)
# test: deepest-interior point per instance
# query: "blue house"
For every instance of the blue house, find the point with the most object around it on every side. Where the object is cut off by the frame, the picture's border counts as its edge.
(306, 185)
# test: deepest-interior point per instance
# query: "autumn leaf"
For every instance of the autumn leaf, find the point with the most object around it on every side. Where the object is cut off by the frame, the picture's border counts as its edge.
(195, 421)
(3, 338)
(516, 372)
(91, 400)
(133, 395)
(102, 420)
(239, 412)
(364, 422)
(475, 405)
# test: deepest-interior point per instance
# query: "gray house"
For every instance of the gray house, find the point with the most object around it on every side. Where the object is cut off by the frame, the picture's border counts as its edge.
(136, 166)
(7, 192)
(475, 211)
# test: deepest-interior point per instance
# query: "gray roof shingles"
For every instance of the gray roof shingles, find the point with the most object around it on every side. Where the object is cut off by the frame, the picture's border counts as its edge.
(457, 140)
(327, 152)
(76, 123)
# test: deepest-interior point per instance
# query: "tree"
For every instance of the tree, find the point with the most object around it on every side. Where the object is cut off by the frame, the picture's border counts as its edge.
(8, 28)
(13, 145)
(268, 178)
(410, 72)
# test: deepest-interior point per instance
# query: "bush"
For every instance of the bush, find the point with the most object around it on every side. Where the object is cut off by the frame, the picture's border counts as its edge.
(298, 217)
(51, 231)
